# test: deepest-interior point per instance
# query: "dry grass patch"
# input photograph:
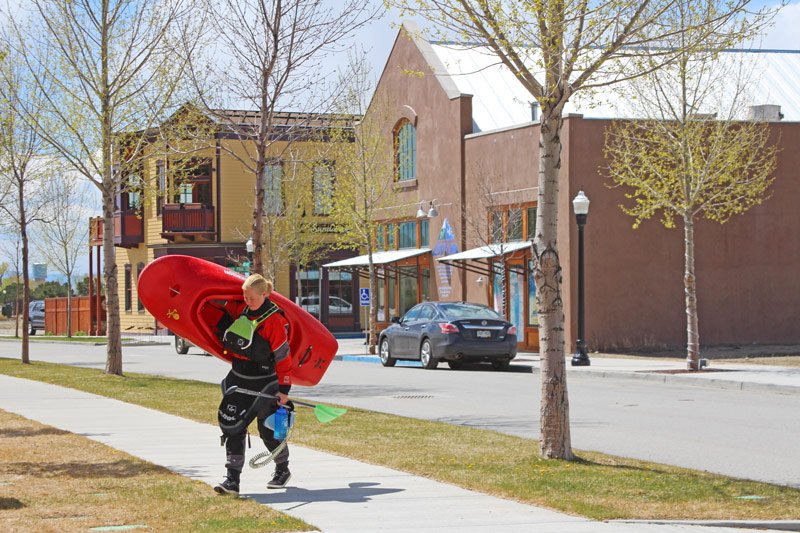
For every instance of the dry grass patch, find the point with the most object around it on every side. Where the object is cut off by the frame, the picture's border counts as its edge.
(52, 480)
(598, 486)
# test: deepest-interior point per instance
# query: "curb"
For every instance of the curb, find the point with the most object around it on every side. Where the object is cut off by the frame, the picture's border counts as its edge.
(373, 359)
(637, 375)
(774, 525)
(727, 384)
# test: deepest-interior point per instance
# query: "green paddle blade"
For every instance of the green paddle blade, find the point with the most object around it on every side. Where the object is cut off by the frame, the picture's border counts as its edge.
(326, 413)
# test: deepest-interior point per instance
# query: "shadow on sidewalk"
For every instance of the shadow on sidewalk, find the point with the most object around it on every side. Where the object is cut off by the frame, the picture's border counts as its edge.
(359, 492)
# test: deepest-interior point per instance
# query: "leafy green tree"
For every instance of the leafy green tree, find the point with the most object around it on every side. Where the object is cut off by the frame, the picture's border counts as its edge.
(555, 50)
(278, 52)
(106, 67)
(364, 171)
(82, 286)
(49, 289)
(24, 169)
(64, 238)
(695, 158)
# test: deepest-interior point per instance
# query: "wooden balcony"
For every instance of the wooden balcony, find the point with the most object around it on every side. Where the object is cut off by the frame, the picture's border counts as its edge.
(128, 228)
(187, 220)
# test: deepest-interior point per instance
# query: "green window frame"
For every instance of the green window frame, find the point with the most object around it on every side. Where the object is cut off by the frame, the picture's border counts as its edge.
(406, 151)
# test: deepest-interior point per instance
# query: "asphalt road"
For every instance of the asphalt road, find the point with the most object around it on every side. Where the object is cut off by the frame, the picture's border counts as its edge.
(750, 434)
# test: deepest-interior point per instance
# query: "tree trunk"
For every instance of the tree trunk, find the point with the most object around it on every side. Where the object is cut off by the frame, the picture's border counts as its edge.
(554, 414)
(257, 263)
(26, 281)
(113, 332)
(69, 307)
(690, 288)
(16, 303)
(372, 335)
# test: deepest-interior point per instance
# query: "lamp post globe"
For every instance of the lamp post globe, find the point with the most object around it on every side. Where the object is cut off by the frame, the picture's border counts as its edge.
(580, 204)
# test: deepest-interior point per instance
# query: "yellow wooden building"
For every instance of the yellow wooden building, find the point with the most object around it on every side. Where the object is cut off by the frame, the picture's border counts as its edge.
(195, 195)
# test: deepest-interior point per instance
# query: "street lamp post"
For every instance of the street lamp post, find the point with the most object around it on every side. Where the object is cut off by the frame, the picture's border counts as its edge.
(581, 207)
(249, 246)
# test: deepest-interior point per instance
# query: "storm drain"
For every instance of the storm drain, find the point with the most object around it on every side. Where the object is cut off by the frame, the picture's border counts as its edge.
(413, 397)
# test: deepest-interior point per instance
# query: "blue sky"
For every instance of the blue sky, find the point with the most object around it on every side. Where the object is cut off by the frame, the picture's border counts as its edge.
(377, 40)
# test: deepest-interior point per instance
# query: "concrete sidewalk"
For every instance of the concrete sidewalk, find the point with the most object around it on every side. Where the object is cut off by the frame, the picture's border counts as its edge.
(334, 493)
(724, 375)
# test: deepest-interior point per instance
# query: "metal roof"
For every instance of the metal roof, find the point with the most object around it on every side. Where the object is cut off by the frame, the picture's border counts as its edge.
(378, 258)
(486, 252)
(500, 101)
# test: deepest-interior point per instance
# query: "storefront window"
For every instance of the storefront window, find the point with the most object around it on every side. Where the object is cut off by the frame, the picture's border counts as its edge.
(309, 288)
(426, 284)
(514, 226)
(533, 307)
(424, 233)
(408, 234)
(340, 288)
(531, 229)
(379, 238)
(408, 288)
(390, 242)
(391, 281)
(498, 289)
(381, 302)
(496, 227)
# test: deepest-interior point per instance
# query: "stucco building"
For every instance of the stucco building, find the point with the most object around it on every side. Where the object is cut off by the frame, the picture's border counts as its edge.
(465, 137)
(197, 196)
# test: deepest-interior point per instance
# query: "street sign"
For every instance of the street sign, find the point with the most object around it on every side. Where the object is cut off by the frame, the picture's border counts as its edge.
(363, 297)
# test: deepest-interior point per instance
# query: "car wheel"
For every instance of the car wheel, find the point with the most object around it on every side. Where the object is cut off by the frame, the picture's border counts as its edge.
(386, 358)
(426, 355)
(501, 364)
(180, 346)
(455, 365)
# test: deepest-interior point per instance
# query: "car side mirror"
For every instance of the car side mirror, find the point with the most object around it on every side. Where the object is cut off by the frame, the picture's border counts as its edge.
(395, 320)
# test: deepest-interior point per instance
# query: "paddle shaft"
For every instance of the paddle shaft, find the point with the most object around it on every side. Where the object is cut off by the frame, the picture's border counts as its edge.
(262, 395)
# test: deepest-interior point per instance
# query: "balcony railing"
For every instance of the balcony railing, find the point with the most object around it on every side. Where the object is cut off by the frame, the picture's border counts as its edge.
(186, 219)
(128, 228)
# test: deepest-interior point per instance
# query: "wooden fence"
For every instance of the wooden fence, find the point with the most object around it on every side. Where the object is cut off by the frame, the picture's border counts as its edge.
(55, 315)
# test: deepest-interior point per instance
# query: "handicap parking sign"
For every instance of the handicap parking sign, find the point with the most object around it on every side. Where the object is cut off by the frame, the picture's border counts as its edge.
(363, 297)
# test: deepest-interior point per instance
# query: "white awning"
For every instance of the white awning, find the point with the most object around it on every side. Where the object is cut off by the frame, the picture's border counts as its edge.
(487, 252)
(378, 258)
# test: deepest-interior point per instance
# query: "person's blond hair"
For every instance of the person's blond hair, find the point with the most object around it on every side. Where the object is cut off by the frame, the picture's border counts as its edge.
(259, 283)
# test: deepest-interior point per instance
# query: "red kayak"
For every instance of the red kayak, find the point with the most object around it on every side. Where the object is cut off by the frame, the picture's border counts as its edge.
(187, 295)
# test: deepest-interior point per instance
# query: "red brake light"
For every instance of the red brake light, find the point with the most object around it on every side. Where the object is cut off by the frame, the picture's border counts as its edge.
(446, 327)
(512, 330)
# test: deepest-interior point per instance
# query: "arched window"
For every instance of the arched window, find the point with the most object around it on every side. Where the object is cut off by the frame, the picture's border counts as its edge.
(405, 151)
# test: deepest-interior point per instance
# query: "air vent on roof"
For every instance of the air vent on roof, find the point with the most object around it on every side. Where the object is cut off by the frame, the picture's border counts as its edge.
(765, 113)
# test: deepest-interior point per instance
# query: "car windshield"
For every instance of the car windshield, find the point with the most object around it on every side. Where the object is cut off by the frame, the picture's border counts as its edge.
(459, 311)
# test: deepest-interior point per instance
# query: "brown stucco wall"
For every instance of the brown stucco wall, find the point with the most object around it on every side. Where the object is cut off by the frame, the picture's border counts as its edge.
(413, 91)
(748, 270)
(507, 162)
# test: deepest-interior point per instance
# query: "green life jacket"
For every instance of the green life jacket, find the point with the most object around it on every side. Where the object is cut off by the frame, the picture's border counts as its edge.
(239, 335)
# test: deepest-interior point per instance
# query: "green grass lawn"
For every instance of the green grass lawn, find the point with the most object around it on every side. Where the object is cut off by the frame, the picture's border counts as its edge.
(74, 338)
(596, 485)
